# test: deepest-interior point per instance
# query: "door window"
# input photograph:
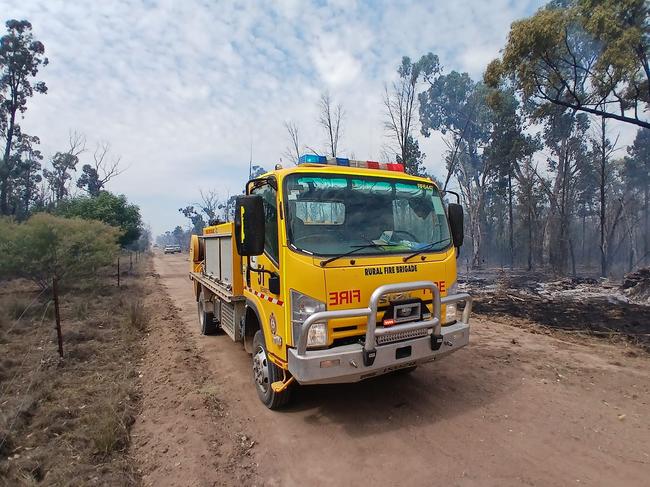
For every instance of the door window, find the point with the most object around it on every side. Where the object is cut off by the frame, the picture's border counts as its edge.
(269, 195)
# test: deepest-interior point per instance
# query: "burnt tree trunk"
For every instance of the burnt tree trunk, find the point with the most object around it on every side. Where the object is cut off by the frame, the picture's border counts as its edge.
(603, 175)
(511, 238)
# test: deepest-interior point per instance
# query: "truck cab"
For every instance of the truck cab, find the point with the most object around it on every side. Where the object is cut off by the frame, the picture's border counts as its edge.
(346, 270)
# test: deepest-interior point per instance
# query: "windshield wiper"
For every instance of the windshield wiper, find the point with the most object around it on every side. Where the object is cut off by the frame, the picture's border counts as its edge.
(355, 248)
(425, 248)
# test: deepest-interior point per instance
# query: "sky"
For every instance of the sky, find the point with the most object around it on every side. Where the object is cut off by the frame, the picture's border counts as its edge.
(182, 90)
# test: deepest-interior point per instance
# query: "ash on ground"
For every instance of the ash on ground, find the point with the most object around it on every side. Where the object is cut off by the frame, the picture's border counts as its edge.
(602, 307)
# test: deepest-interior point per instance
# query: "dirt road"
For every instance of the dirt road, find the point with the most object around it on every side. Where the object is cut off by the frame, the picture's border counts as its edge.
(515, 407)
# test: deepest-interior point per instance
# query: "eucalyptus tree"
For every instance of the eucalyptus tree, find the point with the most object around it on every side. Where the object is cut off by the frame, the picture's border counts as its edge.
(587, 56)
(25, 176)
(292, 152)
(400, 105)
(96, 175)
(331, 120)
(565, 138)
(456, 106)
(21, 57)
(508, 146)
(636, 175)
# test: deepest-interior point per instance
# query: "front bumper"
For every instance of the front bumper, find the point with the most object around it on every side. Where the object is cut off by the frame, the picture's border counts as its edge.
(352, 363)
(345, 364)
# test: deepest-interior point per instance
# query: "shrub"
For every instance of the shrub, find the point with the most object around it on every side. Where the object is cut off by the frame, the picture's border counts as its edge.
(47, 246)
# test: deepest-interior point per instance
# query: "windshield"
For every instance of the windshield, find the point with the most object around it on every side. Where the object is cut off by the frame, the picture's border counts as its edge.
(331, 215)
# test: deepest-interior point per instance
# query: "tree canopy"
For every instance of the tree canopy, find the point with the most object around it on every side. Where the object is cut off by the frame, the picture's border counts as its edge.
(47, 246)
(585, 55)
(109, 208)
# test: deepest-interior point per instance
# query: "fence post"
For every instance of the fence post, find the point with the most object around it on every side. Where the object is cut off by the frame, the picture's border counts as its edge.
(118, 271)
(130, 262)
(57, 315)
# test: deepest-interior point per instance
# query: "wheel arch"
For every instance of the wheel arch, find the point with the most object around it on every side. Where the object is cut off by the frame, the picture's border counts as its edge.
(252, 323)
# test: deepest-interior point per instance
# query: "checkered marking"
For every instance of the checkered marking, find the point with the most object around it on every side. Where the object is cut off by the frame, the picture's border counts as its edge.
(268, 298)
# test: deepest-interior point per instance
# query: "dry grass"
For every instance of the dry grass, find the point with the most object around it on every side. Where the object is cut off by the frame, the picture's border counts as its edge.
(15, 306)
(108, 430)
(22, 307)
(72, 428)
(81, 310)
(138, 318)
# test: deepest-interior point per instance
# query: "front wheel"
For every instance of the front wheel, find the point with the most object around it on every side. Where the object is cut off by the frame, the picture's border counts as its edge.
(266, 373)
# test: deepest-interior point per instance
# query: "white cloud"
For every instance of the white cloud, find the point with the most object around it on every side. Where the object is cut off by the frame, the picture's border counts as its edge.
(181, 89)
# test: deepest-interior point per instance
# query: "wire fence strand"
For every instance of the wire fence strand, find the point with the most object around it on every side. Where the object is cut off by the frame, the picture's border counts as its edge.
(6, 390)
(25, 311)
(25, 398)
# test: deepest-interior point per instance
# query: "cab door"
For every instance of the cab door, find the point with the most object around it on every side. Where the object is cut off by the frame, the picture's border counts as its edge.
(267, 265)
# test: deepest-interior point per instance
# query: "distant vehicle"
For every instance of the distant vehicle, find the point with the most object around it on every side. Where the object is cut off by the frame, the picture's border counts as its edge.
(172, 249)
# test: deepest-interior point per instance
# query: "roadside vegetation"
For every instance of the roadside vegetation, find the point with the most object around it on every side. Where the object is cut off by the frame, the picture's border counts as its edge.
(70, 337)
(69, 418)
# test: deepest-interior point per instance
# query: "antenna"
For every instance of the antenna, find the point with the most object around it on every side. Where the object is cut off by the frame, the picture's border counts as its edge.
(250, 162)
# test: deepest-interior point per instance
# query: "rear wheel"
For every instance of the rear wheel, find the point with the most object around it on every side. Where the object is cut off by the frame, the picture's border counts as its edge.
(206, 318)
(266, 373)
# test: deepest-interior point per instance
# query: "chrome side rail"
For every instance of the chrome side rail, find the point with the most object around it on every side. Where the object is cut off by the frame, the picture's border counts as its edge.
(371, 313)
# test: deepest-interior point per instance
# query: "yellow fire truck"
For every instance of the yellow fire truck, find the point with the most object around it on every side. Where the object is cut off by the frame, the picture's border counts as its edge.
(333, 271)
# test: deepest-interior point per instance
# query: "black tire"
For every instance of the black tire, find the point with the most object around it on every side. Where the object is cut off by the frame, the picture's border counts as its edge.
(206, 319)
(265, 373)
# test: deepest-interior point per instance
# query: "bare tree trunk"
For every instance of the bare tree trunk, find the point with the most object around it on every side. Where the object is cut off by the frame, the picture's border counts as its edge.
(530, 237)
(646, 233)
(4, 173)
(511, 237)
(629, 229)
(584, 232)
(603, 215)
(476, 241)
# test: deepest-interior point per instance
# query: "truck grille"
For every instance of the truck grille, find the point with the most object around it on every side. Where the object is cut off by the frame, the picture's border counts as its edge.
(401, 335)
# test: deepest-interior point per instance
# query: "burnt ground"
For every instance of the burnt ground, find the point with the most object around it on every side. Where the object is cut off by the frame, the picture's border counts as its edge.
(603, 308)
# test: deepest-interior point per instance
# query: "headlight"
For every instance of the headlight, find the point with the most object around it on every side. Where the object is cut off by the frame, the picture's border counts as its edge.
(302, 307)
(317, 336)
(450, 312)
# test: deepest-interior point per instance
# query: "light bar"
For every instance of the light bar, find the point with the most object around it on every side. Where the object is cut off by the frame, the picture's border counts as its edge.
(341, 161)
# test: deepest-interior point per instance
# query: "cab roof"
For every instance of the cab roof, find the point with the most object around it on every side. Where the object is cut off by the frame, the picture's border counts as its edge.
(281, 172)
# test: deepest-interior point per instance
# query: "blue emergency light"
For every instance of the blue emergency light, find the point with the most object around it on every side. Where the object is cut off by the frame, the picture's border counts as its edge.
(312, 159)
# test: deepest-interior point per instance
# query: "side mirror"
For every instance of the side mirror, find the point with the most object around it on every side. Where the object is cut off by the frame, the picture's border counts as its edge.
(249, 225)
(455, 214)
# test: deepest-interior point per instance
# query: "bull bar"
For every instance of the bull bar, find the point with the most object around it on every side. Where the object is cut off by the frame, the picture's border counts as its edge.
(351, 363)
